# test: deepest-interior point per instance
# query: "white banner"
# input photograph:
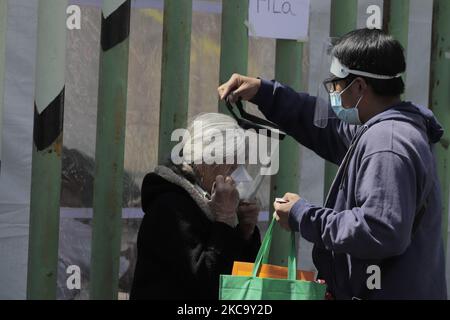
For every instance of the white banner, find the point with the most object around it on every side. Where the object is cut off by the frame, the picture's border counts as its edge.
(279, 19)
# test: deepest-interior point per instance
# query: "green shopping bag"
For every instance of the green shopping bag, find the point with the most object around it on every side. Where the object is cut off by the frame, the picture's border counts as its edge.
(255, 288)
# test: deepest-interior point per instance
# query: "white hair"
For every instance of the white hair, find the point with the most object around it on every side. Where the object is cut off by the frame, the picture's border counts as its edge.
(214, 138)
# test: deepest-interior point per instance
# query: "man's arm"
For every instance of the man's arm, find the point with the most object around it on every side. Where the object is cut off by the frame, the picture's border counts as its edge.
(294, 113)
(380, 226)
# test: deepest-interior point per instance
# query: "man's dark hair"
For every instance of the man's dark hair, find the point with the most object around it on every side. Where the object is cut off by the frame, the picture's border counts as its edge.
(373, 51)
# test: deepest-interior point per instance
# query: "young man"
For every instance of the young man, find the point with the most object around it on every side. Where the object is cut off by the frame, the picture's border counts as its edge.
(378, 235)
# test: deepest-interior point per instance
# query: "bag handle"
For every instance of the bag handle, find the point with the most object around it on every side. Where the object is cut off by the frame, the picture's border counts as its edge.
(263, 253)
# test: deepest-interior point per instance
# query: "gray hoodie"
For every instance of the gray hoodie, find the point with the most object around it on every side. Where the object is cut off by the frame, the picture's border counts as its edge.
(384, 208)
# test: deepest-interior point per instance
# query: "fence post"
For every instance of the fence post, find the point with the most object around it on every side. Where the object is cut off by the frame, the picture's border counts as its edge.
(47, 148)
(175, 67)
(234, 42)
(3, 26)
(440, 98)
(344, 15)
(398, 22)
(109, 150)
(288, 70)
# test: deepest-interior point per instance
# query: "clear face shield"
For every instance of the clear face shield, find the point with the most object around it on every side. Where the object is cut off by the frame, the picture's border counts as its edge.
(247, 184)
(249, 177)
(323, 111)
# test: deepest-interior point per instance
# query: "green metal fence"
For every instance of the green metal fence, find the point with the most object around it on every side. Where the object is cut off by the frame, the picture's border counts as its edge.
(3, 24)
(234, 41)
(288, 70)
(109, 150)
(440, 97)
(343, 19)
(112, 102)
(175, 71)
(47, 148)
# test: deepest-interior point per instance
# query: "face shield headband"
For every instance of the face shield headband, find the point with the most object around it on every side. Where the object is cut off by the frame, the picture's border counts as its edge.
(341, 71)
(323, 110)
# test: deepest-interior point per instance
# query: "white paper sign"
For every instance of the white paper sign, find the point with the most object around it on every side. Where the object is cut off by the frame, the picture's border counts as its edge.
(279, 19)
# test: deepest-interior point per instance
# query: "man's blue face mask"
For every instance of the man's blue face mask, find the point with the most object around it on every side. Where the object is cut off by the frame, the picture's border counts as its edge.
(348, 115)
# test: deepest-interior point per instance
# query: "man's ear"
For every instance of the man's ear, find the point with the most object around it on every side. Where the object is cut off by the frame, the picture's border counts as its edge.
(361, 84)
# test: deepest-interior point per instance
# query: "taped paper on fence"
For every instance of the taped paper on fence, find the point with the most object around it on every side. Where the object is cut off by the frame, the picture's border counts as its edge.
(279, 19)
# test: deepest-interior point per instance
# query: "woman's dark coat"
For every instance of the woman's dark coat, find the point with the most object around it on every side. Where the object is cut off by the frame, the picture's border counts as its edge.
(182, 251)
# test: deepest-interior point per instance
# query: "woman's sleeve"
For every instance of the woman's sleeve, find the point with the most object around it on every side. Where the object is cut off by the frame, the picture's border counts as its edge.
(249, 248)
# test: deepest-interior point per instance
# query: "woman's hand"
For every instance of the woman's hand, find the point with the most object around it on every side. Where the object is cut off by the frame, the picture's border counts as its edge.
(247, 213)
(239, 87)
(224, 200)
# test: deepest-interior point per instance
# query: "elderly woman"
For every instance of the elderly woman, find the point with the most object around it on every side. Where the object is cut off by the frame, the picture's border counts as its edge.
(194, 226)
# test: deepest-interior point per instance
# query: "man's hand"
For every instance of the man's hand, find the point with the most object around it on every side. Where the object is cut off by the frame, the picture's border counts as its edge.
(239, 87)
(282, 210)
(248, 218)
